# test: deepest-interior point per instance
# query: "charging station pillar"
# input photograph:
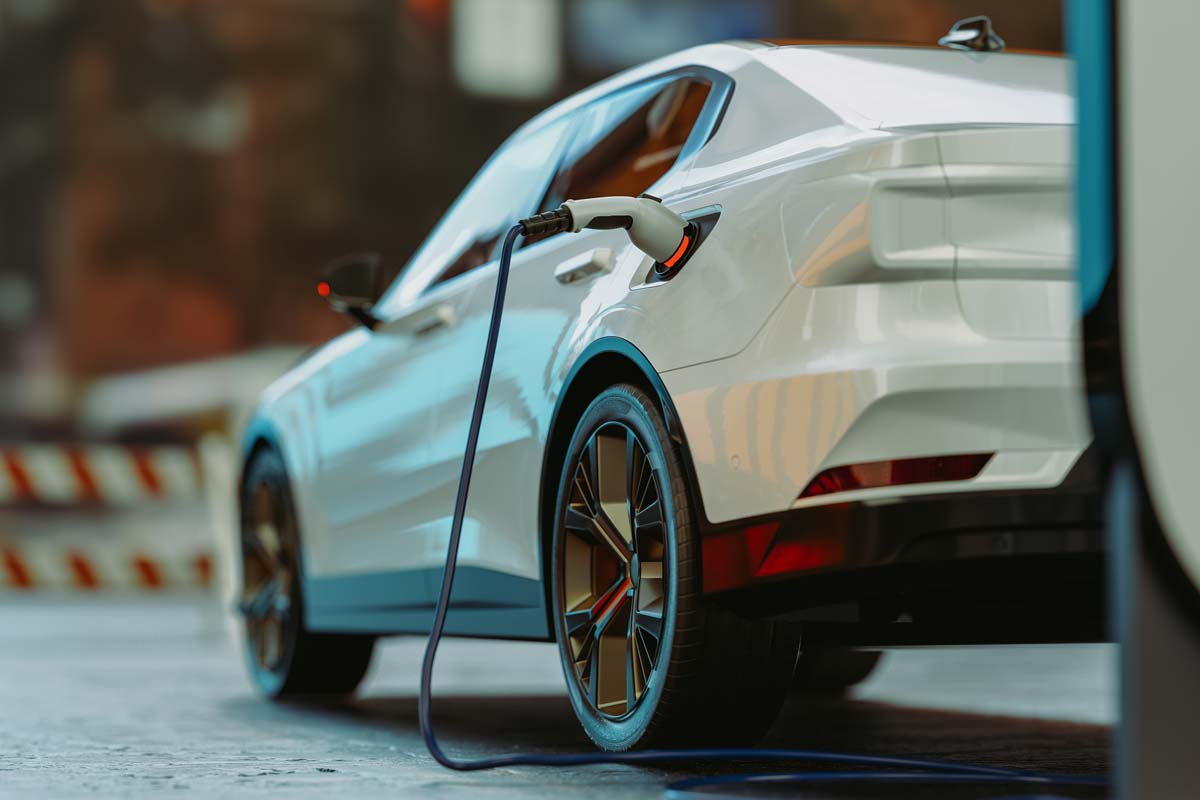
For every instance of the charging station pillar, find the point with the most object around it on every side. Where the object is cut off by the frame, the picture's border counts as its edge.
(1156, 743)
(1139, 283)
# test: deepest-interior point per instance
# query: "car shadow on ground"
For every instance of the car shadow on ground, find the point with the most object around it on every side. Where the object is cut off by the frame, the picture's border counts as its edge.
(477, 726)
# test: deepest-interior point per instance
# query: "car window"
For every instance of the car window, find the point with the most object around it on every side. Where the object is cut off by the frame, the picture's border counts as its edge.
(505, 190)
(626, 142)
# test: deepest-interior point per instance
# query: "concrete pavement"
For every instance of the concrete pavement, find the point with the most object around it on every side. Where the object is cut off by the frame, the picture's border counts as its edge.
(134, 697)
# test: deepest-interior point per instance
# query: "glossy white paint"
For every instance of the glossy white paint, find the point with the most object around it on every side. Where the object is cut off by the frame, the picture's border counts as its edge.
(851, 374)
(838, 312)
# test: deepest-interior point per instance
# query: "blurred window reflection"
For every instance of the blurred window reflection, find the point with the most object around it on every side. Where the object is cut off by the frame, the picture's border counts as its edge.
(626, 142)
(636, 149)
(506, 189)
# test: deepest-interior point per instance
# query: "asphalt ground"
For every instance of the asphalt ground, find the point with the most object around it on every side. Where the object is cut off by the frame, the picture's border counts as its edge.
(104, 696)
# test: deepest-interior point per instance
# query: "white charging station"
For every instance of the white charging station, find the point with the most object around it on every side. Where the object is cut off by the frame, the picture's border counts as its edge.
(1139, 280)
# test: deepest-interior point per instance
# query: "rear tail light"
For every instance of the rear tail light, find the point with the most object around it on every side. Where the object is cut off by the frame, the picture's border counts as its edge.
(897, 472)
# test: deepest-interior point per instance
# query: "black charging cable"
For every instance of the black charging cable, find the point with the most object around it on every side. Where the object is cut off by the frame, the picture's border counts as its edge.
(889, 769)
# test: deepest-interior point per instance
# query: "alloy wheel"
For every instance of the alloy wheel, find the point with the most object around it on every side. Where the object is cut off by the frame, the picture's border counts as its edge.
(613, 571)
(267, 578)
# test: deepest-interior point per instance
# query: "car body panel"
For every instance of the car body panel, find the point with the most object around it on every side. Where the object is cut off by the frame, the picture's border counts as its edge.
(870, 372)
(831, 316)
(916, 86)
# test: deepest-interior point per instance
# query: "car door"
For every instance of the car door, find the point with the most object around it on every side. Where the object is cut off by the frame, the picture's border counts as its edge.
(373, 449)
(624, 144)
(379, 494)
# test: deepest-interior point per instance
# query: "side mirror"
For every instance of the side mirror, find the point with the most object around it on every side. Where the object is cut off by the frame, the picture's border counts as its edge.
(350, 285)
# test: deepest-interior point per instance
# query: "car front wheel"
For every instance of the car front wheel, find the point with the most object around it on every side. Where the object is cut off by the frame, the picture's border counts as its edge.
(284, 659)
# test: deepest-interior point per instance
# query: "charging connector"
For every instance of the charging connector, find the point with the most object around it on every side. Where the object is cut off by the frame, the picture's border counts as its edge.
(652, 227)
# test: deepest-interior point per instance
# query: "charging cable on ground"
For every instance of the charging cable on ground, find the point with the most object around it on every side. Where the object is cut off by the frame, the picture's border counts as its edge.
(660, 235)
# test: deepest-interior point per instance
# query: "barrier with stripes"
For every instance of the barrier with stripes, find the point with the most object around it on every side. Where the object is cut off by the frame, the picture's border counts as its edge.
(55, 567)
(101, 474)
(99, 516)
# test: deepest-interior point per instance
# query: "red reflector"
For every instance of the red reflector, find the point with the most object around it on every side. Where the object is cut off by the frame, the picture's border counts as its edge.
(768, 550)
(899, 472)
(323, 288)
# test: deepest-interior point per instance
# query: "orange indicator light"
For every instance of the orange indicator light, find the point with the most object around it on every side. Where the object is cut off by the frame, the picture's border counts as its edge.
(679, 251)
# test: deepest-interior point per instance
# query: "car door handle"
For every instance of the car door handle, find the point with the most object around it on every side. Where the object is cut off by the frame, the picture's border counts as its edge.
(437, 316)
(584, 265)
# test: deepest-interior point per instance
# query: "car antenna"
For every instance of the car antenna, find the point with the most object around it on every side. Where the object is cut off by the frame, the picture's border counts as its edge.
(973, 33)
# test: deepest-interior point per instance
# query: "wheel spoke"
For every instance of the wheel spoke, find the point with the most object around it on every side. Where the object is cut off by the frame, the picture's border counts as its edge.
(634, 461)
(610, 605)
(646, 651)
(644, 493)
(272, 640)
(260, 641)
(611, 644)
(577, 520)
(587, 620)
(254, 547)
(577, 621)
(650, 516)
(262, 508)
(585, 483)
(648, 527)
(261, 601)
(591, 669)
(613, 539)
(649, 623)
(587, 516)
(632, 666)
(612, 471)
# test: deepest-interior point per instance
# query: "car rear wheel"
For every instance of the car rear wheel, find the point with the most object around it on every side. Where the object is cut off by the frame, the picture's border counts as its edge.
(284, 659)
(649, 660)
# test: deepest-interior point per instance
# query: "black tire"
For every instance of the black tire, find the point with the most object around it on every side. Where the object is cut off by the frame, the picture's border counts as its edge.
(833, 670)
(285, 660)
(711, 677)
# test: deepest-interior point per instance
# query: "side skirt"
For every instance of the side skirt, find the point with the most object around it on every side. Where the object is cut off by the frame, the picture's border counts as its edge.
(485, 604)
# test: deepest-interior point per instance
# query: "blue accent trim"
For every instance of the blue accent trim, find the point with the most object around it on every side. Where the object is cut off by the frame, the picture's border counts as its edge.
(619, 346)
(615, 344)
(485, 603)
(1090, 41)
(258, 429)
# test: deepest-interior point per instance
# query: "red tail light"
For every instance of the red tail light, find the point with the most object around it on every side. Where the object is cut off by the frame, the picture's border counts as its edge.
(898, 472)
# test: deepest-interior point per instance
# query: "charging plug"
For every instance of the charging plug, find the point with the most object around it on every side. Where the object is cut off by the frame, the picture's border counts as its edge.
(652, 227)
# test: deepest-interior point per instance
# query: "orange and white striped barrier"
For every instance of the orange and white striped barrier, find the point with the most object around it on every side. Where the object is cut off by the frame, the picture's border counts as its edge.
(96, 474)
(98, 516)
(36, 567)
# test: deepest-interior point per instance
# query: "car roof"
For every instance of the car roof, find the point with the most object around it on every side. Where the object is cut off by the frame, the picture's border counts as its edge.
(879, 86)
(893, 87)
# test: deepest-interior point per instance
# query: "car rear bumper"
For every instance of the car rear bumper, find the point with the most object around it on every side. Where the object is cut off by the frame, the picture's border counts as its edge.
(1024, 566)
(844, 537)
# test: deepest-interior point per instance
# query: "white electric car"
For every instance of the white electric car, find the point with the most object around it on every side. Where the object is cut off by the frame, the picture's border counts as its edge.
(852, 418)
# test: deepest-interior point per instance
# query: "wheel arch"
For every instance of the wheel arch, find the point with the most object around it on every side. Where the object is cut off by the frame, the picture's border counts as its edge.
(258, 435)
(605, 362)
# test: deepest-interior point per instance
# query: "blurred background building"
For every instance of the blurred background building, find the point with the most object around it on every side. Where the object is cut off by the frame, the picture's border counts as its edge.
(173, 172)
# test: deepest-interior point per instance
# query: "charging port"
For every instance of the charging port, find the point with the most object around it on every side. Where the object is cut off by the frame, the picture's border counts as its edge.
(701, 221)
